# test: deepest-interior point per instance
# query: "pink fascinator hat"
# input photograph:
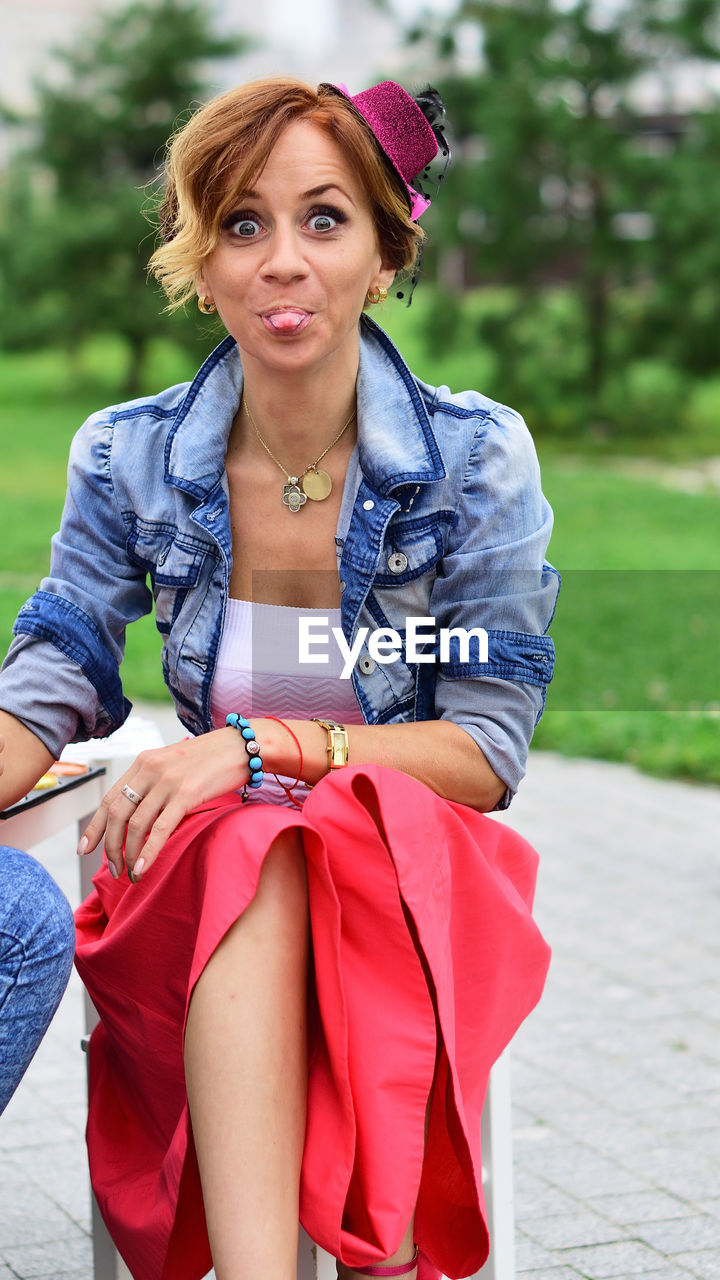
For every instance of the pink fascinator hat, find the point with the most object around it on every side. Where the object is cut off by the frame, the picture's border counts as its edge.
(408, 130)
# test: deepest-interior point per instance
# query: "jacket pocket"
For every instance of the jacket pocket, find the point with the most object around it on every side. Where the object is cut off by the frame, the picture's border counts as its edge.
(173, 563)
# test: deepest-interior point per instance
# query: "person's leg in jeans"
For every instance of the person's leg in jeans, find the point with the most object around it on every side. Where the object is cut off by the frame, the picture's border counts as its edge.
(37, 942)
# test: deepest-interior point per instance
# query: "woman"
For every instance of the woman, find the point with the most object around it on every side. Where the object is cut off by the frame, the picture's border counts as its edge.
(245, 1061)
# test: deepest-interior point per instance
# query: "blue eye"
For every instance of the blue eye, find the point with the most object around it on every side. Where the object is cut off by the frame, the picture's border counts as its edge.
(324, 220)
(244, 225)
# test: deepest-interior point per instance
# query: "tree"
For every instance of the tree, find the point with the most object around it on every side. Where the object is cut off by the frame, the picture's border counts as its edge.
(551, 166)
(75, 231)
(683, 310)
(553, 180)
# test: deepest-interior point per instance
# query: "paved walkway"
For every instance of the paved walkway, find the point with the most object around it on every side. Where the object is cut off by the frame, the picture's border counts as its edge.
(616, 1076)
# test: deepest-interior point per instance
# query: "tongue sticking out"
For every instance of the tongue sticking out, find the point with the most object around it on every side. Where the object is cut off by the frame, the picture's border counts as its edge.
(286, 321)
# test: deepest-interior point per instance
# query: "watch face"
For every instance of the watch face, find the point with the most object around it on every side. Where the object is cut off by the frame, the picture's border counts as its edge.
(338, 748)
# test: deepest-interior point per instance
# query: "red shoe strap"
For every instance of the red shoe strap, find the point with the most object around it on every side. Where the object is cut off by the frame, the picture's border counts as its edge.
(384, 1269)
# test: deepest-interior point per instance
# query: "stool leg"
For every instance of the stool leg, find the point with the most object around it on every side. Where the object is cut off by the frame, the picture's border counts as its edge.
(498, 1174)
(107, 1263)
(326, 1266)
(306, 1257)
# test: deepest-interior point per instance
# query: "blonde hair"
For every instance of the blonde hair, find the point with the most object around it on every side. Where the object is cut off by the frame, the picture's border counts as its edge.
(225, 145)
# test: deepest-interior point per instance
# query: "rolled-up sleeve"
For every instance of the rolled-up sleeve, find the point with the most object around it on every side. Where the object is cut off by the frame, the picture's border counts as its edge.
(495, 580)
(61, 675)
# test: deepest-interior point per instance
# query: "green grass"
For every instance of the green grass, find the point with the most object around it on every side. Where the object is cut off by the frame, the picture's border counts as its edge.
(605, 520)
(637, 629)
(638, 621)
(670, 745)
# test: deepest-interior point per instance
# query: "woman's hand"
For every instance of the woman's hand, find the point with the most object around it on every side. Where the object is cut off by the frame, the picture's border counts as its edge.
(171, 781)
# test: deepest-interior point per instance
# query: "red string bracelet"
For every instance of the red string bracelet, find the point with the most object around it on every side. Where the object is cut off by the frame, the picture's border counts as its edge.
(289, 789)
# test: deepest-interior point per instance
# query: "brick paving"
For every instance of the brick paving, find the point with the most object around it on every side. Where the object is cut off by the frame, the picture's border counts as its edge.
(616, 1076)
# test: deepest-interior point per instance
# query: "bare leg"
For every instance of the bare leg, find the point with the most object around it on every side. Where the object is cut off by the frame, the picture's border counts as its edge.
(246, 1070)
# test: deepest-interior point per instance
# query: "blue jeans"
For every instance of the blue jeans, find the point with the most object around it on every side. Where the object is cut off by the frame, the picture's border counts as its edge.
(37, 943)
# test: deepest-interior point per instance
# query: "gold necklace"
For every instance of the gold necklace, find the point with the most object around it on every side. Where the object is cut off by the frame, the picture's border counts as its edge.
(311, 483)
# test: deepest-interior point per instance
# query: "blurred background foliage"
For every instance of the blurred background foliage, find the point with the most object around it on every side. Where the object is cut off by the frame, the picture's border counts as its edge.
(76, 211)
(594, 216)
(572, 269)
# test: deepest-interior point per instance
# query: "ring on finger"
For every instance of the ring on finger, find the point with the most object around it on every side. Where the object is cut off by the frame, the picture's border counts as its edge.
(133, 796)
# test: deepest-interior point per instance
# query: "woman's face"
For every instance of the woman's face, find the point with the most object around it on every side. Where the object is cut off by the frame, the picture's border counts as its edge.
(296, 257)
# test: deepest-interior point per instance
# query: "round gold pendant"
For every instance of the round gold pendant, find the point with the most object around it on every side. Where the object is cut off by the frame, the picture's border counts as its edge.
(317, 485)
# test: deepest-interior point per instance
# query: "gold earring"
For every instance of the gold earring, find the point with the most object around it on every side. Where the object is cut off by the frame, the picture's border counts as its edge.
(207, 308)
(378, 293)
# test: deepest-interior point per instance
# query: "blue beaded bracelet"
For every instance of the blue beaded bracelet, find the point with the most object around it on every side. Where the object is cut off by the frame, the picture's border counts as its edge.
(252, 746)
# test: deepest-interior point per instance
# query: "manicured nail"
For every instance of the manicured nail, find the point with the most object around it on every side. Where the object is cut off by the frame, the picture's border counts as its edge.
(83, 845)
(138, 868)
(113, 870)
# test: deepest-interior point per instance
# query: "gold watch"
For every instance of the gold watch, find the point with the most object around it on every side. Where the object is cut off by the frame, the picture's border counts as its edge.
(337, 744)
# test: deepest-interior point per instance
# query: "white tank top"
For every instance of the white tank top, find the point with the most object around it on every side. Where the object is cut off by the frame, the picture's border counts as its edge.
(259, 672)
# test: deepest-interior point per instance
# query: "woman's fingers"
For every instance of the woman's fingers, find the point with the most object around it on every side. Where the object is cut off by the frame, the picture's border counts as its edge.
(95, 829)
(168, 819)
(150, 826)
(127, 827)
(138, 781)
(115, 811)
(141, 811)
(133, 833)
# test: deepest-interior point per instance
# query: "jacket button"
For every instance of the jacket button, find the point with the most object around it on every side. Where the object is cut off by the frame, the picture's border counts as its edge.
(368, 504)
(397, 562)
(343, 586)
(366, 664)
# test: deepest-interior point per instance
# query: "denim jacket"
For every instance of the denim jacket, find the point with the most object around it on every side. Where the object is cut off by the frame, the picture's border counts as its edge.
(442, 517)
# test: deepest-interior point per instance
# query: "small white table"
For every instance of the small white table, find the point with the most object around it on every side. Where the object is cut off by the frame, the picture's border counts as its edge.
(43, 813)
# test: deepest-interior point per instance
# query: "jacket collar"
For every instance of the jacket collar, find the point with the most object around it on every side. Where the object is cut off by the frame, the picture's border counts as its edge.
(396, 443)
(387, 393)
(197, 441)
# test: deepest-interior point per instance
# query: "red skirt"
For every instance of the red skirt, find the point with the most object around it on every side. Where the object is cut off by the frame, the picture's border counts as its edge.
(419, 907)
